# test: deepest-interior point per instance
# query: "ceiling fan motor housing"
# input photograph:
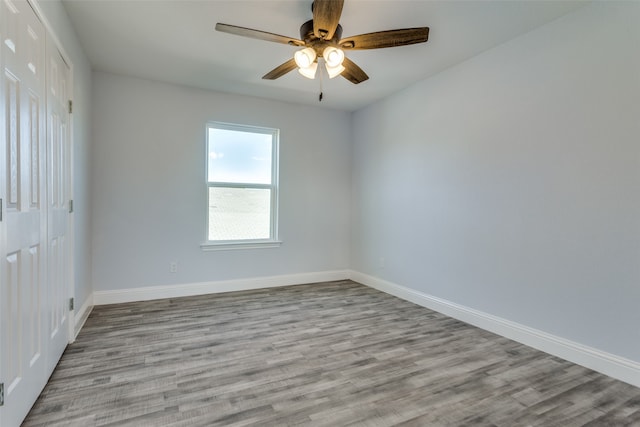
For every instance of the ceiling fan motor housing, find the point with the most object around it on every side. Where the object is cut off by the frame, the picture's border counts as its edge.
(306, 34)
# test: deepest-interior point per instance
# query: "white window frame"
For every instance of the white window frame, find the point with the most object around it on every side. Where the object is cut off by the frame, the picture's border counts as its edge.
(273, 240)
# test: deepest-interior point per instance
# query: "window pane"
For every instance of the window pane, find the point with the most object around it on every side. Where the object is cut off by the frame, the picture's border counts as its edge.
(236, 156)
(239, 213)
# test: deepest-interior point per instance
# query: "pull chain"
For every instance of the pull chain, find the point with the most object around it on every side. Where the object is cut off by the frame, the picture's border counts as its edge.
(320, 72)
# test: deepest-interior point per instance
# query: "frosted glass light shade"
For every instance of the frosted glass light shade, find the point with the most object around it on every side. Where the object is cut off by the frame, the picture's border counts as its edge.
(333, 57)
(310, 71)
(305, 57)
(334, 71)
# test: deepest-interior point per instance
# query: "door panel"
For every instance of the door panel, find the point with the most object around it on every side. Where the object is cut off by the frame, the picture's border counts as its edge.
(12, 107)
(58, 152)
(23, 367)
(13, 327)
(34, 335)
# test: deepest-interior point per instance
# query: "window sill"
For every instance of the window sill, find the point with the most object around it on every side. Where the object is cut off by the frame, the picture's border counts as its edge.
(247, 244)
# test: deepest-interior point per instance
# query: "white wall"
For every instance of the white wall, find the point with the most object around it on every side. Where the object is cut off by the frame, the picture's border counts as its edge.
(149, 195)
(510, 184)
(58, 20)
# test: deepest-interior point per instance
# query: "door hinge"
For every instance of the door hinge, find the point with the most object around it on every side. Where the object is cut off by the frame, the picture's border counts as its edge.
(70, 206)
(1, 394)
(70, 304)
(70, 106)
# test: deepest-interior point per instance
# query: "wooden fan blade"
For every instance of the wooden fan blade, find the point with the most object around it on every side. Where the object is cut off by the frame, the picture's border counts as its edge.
(281, 70)
(257, 34)
(389, 38)
(326, 17)
(352, 72)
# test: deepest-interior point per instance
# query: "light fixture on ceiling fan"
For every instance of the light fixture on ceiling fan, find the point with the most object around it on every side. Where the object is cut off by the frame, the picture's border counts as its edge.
(307, 61)
(321, 40)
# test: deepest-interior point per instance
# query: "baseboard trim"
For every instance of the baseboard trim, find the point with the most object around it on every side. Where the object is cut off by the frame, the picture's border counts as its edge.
(190, 289)
(82, 315)
(606, 363)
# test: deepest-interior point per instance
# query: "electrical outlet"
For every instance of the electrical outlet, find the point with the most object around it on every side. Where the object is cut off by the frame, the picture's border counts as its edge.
(173, 267)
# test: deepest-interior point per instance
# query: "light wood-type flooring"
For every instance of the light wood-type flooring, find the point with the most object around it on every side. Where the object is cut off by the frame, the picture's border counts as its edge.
(328, 354)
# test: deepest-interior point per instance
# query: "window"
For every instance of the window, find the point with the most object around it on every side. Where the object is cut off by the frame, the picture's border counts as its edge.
(242, 186)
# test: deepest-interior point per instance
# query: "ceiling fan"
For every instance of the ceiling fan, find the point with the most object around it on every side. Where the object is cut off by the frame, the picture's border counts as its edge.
(321, 40)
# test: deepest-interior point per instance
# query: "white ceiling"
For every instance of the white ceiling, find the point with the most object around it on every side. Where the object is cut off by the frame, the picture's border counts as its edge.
(175, 41)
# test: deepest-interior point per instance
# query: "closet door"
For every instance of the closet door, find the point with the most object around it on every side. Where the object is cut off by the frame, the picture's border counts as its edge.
(58, 199)
(23, 359)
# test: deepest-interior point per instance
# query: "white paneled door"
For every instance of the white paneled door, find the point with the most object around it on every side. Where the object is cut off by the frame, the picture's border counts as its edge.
(58, 199)
(34, 190)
